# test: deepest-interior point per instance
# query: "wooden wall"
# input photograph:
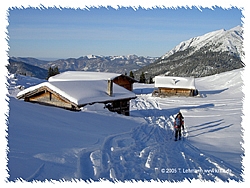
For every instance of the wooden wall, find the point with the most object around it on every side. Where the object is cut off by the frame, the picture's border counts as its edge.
(48, 98)
(120, 106)
(172, 92)
(124, 82)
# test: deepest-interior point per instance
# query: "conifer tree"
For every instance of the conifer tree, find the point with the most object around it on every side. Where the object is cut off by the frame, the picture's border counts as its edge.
(142, 78)
(150, 80)
(52, 72)
(131, 74)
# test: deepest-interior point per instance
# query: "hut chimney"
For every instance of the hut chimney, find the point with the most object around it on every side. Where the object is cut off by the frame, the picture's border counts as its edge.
(110, 87)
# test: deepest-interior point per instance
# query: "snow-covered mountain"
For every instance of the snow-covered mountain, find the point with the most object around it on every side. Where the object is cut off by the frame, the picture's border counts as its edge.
(55, 144)
(115, 64)
(216, 41)
(17, 67)
(209, 54)
(212, 53)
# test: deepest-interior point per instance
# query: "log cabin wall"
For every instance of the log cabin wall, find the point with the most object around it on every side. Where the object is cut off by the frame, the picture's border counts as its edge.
(171, 92)
(47, 98)
(124, 82)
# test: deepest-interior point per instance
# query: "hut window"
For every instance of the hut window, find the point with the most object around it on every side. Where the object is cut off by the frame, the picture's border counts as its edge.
(50, 96)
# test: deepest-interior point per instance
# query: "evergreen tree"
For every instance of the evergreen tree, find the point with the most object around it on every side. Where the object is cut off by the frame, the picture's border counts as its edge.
(56, 71)
(150, 80)
(142, 78)
(52, 72)
(131, 74)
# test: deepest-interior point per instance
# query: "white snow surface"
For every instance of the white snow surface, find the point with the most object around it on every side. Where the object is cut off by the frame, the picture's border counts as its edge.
(175, 82)
(83, 75)
(221, 40)
(48, 143)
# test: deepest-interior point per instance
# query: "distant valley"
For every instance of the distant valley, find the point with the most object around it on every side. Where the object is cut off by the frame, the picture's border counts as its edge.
(116, 64)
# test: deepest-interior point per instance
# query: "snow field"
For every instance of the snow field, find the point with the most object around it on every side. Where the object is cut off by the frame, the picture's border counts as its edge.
(96, 144)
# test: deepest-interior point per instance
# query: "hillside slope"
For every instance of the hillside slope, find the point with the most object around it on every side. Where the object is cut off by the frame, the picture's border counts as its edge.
(215, 52)
(19, 67)
(115, 64)
(216, 41)
(50, 143)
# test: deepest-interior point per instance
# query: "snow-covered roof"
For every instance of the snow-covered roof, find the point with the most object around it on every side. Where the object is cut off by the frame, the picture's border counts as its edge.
(175, 82)
(83, 75)
(83, 92)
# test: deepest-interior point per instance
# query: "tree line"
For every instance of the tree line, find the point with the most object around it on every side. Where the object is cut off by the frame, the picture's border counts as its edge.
(52, 71)
(142, 78)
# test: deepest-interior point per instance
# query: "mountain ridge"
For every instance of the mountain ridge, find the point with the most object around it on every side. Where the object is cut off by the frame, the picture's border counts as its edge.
(222, 38)
(19, 67)
(116, 64)
(212, 53)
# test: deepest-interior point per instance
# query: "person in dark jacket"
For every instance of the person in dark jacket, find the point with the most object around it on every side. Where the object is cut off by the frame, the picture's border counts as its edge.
(178, 125)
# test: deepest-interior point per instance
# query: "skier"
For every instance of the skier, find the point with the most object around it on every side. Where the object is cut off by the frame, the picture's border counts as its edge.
(178, 125)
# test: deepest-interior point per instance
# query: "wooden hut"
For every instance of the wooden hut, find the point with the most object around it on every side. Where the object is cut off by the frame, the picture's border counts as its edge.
(124, 81)
(119, 79)
(74, 89)
(174, 86)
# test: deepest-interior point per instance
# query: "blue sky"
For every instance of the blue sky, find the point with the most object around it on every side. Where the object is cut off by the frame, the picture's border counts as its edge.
(65, 33)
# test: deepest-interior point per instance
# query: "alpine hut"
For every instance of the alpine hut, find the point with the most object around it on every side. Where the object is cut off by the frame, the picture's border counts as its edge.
(174, 86)
(74, 89)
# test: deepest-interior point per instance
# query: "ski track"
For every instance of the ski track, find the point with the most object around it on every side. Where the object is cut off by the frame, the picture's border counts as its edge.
(150, 152)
